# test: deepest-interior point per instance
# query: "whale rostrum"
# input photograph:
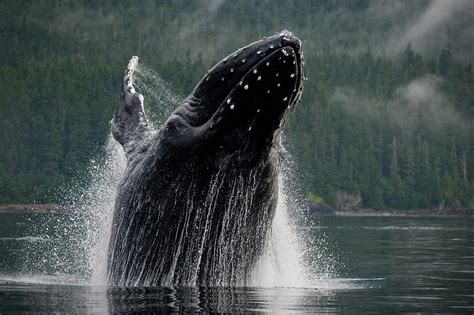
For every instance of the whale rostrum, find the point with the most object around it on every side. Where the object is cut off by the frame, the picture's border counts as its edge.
(198, 196)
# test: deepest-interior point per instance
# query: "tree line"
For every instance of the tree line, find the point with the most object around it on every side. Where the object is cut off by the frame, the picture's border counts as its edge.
(397, 130)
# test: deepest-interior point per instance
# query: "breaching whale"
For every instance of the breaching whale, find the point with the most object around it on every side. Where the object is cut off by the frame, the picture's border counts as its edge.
(196, 203)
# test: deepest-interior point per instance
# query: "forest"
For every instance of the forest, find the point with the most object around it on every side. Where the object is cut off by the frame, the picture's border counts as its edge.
(385, 116)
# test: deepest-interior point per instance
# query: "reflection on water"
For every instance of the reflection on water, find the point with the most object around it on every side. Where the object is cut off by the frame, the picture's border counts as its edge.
(65, 298)
(387, 264)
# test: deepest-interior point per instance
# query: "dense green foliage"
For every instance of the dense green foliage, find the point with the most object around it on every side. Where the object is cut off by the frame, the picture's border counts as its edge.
(396, 129)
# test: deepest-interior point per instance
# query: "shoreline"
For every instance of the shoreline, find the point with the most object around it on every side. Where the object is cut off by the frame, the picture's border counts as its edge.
(34, 208)
(326, 210)
(407, 213)
(319, 209)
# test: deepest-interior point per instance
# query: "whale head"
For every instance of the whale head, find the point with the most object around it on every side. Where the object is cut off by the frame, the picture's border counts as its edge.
(241, 104)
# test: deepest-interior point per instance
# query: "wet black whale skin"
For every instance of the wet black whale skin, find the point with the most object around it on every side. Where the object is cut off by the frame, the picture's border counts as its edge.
(198, 196)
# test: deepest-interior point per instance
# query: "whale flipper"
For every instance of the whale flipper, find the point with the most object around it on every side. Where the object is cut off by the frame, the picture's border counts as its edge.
(129, 125)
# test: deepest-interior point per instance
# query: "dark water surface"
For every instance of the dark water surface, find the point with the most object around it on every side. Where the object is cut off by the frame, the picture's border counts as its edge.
(386, 264)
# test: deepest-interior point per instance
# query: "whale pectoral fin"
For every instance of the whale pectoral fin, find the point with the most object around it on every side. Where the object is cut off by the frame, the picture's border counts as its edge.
(129, 125)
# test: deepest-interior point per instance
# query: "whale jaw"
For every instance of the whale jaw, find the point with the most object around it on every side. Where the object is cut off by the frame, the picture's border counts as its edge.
(244, 100)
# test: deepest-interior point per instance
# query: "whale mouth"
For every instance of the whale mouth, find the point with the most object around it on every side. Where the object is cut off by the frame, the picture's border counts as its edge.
(250, 92)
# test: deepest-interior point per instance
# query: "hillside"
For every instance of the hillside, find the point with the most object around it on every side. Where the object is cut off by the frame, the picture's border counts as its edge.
(387, 113)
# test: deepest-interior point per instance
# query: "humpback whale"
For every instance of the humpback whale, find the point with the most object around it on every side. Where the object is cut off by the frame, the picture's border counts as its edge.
(197, 199)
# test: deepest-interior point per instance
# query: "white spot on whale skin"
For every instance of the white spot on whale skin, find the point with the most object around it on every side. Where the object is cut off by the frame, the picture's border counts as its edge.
(278, 84)
(258, 110)
(231, 69)
(259, 78)
(222, 79)
(268, 91)
(250, 128)
(244, 60)
(228, 101)
(232, 107)
(284, 52)
(292, 75)
(254, 70)
(271, 47)
(259, 52)
(285, 99)
(267, 64)
(240, 83)
(246, 87)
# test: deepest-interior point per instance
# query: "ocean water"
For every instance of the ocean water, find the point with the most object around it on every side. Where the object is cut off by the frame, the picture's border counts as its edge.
(366, 264)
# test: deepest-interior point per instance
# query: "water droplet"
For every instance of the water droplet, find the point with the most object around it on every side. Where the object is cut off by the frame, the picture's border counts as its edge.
(246, 87)
(232, 107)
(259, 78)
(207, 79)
